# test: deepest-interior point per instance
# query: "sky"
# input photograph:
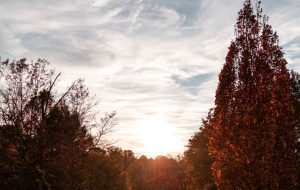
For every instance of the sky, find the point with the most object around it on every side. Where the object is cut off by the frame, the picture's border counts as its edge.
(154, 62)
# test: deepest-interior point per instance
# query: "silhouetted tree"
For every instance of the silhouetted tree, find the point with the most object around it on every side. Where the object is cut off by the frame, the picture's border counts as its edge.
(104, 169)
(46, 141)
(156, 174)
(197, 161)
(44, 136)
(252, 139)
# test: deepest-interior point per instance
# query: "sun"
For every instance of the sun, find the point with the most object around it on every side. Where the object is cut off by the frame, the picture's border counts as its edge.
(158, 136)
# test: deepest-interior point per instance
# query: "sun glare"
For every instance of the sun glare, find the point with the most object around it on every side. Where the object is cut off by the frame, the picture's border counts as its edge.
(158, 136)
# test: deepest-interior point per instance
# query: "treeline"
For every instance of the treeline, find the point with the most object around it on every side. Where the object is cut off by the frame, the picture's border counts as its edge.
(53, 140)
(46, 141)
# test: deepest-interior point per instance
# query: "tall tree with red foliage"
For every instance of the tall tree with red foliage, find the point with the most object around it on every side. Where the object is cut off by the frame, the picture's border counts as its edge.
(252, 139)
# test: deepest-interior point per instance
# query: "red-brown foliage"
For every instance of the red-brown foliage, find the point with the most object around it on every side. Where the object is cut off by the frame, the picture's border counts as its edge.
(252, 139)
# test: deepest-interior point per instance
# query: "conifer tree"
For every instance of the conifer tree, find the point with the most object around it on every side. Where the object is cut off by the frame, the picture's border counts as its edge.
(252, 139)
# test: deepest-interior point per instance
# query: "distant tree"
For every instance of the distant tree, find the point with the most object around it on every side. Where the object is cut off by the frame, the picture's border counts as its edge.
(140, 172)
(252, 139)
(197, 161)
(106, 169)
(169, 174)
(295, 79)
(44, 136)
(156, 174)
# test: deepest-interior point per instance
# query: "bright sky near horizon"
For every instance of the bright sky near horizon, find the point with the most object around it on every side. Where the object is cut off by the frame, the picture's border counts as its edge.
(154, 62)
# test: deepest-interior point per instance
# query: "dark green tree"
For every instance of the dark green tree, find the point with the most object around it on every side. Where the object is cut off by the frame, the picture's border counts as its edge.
(295, 79)
(197, 161)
